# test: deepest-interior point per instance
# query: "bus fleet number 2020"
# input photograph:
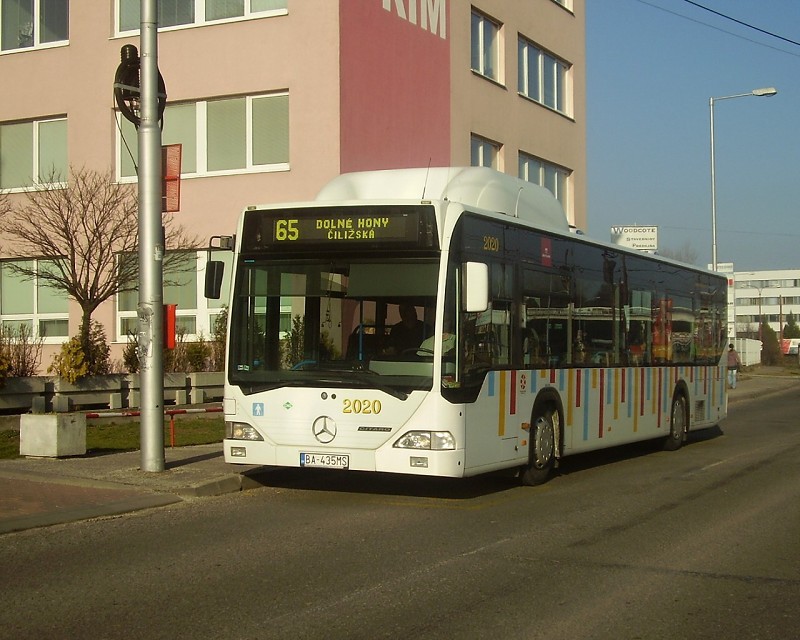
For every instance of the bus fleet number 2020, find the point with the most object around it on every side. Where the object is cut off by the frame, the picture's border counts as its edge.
(491, 243)
(366, 407)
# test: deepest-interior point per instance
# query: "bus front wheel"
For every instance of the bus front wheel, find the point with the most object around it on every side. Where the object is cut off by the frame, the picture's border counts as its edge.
(542, 446)
(677, 423)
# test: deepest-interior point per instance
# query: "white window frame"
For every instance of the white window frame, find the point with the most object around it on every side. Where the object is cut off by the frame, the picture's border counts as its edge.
(201, 137)
(478, 50)
(35, 318)
(37, 43)
(479, 147)
(539, 176)
(199, 17)
(37, 179)
(531, 54)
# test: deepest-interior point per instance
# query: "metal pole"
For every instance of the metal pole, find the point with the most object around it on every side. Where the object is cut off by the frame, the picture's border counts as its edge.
(760, 317)
(713, 193)
(151, 249)
(766, 91)
(734, 305)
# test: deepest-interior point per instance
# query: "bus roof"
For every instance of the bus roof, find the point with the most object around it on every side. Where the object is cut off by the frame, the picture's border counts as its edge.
(478, 187)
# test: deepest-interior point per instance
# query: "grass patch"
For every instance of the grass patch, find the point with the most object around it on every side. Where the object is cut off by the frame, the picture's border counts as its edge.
(112, 437)
(9, 444)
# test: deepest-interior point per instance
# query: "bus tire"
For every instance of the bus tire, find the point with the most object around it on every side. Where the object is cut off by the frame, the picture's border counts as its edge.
(542, 457)
(678, 423)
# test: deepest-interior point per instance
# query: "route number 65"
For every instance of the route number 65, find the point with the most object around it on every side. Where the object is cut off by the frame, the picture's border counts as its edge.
(286, 230)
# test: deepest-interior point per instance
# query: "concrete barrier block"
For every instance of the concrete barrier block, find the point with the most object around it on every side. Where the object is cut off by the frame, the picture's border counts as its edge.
(62, 404)
(133, 399)
(206, 386)
(39, 405)
(52, 435)
(115, 401)
(19, 394)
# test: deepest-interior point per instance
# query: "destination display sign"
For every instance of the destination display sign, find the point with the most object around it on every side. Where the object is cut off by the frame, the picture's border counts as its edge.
(327, 227)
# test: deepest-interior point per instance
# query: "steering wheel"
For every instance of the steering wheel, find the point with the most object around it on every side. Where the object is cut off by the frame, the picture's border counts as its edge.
(303, 364)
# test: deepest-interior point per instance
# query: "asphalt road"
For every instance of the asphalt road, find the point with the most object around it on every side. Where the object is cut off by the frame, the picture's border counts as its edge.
(634, 543)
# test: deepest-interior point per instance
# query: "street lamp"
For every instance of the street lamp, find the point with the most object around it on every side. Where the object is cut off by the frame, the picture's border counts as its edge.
(767, 91)
(748, 285)
(760, 290)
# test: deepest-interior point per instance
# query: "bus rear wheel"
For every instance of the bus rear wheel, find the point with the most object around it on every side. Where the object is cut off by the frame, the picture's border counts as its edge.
(678, 423)
(542, 446)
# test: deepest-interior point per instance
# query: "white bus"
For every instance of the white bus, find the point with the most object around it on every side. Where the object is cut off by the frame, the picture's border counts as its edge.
(530, 343)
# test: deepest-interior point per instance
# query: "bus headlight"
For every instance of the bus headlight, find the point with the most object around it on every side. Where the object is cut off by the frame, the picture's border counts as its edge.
(430, 440)
(241, 431)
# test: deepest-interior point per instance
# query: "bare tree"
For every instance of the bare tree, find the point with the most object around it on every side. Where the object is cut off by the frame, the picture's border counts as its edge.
(87, 232)
(686, 253)
(5, 204)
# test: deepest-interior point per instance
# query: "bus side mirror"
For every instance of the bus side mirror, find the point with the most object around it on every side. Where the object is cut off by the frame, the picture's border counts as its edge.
(475, 287)
(214, 271)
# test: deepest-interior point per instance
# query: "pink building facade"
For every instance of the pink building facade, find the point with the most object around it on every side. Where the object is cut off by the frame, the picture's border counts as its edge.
(270, 99)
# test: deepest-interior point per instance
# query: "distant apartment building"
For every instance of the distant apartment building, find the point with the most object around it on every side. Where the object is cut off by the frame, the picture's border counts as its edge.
(756, 297)
(270, 99)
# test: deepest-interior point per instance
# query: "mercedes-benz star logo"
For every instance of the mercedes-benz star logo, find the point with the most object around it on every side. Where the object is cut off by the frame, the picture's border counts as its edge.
(324, 429)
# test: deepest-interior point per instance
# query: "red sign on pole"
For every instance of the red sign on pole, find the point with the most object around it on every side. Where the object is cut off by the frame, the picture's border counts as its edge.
(170, 325)
(171, 173)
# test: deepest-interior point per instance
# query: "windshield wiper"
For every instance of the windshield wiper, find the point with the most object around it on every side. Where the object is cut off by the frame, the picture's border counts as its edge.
(249, 388)
(375, 382)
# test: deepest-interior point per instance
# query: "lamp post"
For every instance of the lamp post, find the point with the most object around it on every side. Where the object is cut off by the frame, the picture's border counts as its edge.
(767, 91)
(734, 307)
(760, 290)
(151, 249)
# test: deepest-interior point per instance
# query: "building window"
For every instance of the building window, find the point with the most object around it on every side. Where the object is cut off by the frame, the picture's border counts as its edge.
(485, 46)
(24, 301)
(484, 153)
(187, 13)
(542, 77)
(547, 175)
(231, 135)
(33, 153)
(26, 24)
(183, 286)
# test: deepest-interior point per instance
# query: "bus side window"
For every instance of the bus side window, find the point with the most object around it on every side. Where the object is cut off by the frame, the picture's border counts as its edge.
(498, 333)
(546, 302)
(531, 340)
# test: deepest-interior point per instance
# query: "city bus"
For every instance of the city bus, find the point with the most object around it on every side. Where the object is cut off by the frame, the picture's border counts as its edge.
(532, 342)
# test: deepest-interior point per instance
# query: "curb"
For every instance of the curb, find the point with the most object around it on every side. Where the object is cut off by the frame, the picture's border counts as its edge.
(211, 488)
(757, 394)
(47, 519)
(234, 483)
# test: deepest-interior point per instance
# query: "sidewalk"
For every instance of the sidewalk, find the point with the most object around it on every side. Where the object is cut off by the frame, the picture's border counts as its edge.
(760, 382)
(37, 492)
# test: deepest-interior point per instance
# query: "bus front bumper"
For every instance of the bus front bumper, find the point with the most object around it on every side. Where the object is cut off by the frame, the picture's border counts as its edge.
(448, 463)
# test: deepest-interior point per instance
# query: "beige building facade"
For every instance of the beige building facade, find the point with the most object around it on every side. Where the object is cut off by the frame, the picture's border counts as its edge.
(270, 99)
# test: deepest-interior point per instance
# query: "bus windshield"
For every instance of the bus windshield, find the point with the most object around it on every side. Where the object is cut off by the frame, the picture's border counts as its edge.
(334, 322)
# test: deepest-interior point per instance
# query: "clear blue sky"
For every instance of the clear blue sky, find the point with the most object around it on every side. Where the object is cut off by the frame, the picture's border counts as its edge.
(650, 74)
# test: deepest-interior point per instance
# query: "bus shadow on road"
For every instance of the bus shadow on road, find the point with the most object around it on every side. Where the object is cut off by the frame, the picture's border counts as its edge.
(621, 453)
(388, 484)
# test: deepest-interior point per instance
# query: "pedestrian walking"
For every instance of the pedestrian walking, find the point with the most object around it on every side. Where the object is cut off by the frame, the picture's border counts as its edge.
(734, 362)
